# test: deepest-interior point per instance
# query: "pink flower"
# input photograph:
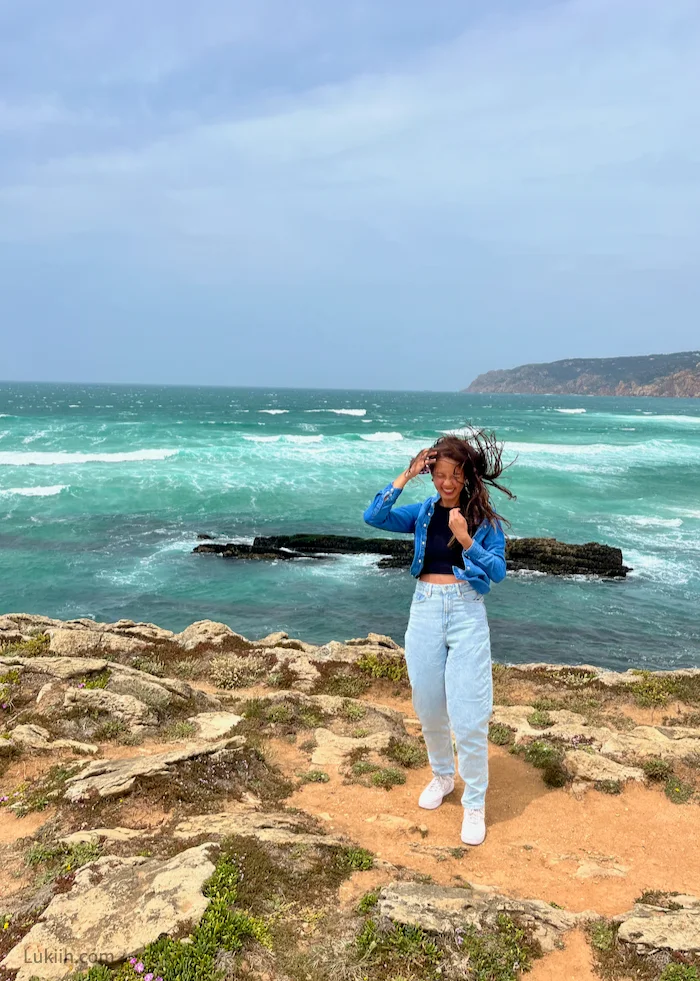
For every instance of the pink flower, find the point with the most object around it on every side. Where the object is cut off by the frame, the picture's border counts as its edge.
(81, 685)
(132, 961)
(139, 967)
(148, 977)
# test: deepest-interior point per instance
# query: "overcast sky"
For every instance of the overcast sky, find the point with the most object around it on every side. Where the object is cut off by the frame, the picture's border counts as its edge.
(370, 193)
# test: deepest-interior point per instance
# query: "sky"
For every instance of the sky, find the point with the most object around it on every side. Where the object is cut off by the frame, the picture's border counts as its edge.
(368, 194)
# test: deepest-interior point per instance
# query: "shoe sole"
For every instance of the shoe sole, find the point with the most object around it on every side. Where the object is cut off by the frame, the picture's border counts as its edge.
(474, 844)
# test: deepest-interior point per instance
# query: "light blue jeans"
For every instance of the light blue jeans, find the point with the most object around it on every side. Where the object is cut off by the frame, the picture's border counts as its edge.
(448, 655)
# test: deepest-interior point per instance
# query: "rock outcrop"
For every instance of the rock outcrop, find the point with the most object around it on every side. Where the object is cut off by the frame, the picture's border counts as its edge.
(545, 555)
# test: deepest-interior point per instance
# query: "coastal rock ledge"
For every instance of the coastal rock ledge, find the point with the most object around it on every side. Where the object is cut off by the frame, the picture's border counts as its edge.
(203, 806)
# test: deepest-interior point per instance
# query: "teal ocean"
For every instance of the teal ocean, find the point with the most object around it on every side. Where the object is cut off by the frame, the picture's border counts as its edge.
(103, 490)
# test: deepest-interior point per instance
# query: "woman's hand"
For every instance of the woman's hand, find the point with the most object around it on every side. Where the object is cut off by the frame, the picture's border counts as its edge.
(418, 465)
(459, 528)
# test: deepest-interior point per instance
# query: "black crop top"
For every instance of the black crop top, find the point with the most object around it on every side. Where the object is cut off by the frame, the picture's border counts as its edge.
(438, 557)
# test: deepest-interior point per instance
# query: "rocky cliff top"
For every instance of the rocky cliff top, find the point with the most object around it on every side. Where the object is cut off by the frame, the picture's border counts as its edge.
(252, 805)
(671, 375)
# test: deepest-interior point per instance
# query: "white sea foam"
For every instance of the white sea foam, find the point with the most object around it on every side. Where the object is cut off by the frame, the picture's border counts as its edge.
(381, 437)
(652, 522)
(572, 412)
(36, 491)
(11, 459)
(285, 437)
(341, 412)
(274, 412)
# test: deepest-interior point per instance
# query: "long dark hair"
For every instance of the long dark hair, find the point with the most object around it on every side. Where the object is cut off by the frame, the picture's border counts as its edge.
(480, 456)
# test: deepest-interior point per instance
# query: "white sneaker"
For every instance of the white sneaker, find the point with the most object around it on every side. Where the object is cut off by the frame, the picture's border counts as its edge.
(474, 825)
(438, 788)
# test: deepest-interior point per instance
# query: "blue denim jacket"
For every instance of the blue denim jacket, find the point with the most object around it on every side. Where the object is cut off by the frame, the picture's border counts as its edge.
(484, 560)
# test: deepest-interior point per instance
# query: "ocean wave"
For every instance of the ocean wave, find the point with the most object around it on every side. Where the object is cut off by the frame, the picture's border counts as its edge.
(652, 522)
(286, 437)
(11, 459)
(341, 412)
(36, 491)
(381, 437)
(274, 412)
(650, 451)
(572, 412)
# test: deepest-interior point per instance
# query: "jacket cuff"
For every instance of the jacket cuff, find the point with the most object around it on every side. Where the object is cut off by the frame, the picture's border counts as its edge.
(475, 552)
(390, 492)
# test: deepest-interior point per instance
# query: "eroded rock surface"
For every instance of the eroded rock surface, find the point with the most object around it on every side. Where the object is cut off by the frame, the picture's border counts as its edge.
(89, 920)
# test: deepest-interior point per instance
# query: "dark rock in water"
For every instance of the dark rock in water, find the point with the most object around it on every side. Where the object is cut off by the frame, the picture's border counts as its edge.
(532, 554)
(338, 544)
(233, 550)
(557, 558)
(202, 536)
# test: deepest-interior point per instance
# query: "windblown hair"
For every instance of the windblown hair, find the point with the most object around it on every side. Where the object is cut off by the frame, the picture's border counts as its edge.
(481, 458)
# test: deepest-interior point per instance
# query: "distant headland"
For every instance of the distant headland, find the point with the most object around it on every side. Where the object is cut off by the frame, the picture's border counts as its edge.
(667, 375)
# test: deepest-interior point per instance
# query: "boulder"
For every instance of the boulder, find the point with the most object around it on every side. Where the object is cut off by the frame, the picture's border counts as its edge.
(206, 633)
(110, 778)
(438, 909)
(31, 736)
(650, 929)
(214, 725)
(594, 767)
(125, 708)
(277, 828)
(88, 924)
(669, 743)
(331, 749)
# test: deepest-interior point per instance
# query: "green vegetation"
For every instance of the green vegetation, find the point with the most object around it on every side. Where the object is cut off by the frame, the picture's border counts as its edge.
(368, 902)
(180, 729)
(100, 680)
(608, 786)
(540, 720)
(344, 685)
(353, 711)
(314, 776)
(383, 666)
(60, 860)
(110, 729)
(500, 954)
(406, 753)
(680, 972)
(657, 769)
(655, 897)
(355, 860)
(34, 647)
(387, 777)
(655, 690)
(501, 735)
(150, 665)
(37, 796)
(406, 948)
(547, 758)
(602, 935)
(678, 791)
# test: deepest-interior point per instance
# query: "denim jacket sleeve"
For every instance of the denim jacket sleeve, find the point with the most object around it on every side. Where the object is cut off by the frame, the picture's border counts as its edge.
(490, 553)
(382, 514)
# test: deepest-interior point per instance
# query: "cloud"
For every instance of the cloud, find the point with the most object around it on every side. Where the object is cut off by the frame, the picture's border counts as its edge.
(546, 150)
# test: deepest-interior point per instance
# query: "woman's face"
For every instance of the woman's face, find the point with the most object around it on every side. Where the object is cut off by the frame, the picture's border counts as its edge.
(448, 478)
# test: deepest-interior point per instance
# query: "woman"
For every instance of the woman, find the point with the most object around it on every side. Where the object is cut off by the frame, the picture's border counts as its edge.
(459, 551)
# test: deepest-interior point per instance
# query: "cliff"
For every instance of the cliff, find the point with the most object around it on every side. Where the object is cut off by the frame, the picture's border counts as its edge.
(198, 805)
(667, 375)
